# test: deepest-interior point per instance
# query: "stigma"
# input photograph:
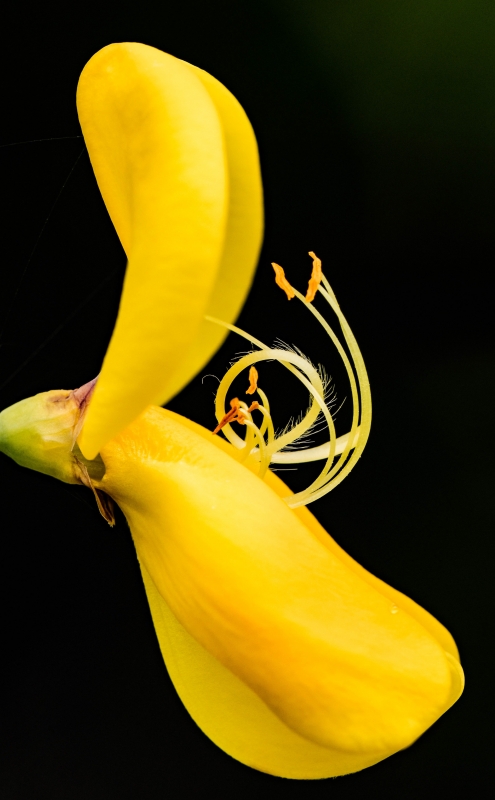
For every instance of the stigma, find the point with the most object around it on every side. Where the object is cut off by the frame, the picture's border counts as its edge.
(340, 454)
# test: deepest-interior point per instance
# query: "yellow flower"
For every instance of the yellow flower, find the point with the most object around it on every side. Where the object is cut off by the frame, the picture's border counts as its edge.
(288, 655)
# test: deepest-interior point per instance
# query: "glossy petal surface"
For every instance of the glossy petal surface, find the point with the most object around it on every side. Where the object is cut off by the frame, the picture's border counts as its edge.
(165, 144)
(232, 714)
(338, 659)
(243, 232)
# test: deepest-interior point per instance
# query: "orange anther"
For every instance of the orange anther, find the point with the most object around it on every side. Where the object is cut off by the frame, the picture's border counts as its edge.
(315, 279)
(236, 414)
(230, 416)
(253, 381)
(282, 281)
(241, 414)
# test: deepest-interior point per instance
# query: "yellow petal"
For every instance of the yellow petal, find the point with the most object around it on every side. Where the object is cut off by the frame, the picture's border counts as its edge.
(324, 660)
(243, 234)
(235, 718)
(232, 715)
(164, 149)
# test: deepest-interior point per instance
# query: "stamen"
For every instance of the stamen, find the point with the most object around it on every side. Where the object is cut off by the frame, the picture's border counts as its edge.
(315, 279)
(338, 450)
(243, 411)
(253, 381)
(238, 413)
(230, 416)
(282, 281)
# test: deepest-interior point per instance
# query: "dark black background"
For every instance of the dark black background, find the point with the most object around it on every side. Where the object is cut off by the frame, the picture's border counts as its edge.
(376, 126)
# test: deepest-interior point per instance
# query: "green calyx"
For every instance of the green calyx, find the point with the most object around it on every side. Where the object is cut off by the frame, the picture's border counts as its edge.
(40, 433)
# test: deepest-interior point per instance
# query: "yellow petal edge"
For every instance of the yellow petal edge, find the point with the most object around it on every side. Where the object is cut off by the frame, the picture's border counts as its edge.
(288, 655)
(177, 164)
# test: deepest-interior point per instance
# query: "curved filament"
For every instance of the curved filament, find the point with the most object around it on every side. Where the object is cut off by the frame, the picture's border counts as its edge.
(260, 441)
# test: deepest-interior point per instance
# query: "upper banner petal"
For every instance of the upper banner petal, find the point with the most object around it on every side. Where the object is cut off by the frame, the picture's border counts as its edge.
(156, 144)
(244, 230)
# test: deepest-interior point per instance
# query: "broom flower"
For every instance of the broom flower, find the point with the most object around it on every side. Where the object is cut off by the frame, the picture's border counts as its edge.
(289, 655)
